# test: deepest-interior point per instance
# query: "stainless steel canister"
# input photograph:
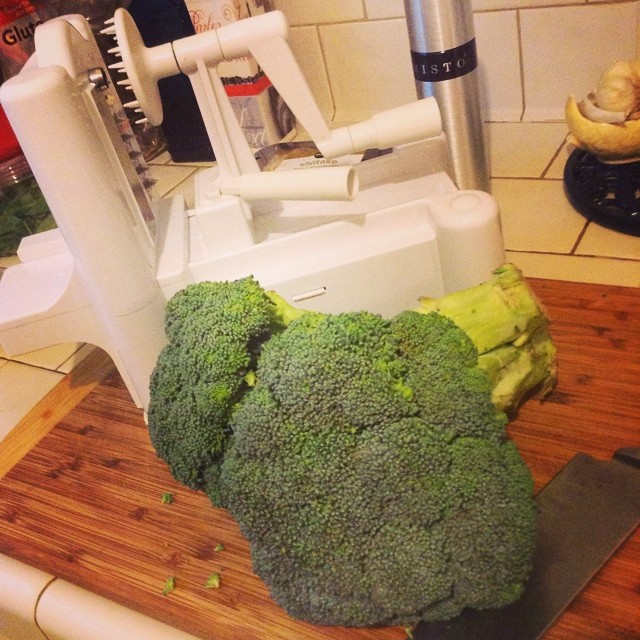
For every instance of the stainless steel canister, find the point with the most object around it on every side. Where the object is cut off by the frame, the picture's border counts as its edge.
(445, 66)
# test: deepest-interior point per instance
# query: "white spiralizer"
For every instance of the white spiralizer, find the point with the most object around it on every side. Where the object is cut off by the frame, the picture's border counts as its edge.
(372, 235)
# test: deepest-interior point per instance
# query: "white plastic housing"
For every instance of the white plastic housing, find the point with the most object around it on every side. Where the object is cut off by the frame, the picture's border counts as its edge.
(84, 194)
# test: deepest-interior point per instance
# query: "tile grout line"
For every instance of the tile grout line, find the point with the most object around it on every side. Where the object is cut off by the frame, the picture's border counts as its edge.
(550, 164)
(579, 238)
(521, 65)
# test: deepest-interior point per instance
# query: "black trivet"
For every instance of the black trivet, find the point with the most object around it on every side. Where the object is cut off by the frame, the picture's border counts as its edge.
(608, 194)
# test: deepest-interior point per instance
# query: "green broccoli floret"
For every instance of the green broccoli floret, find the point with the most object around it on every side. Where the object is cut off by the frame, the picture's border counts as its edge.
(215, 331)
(370, 471)
(365, 459)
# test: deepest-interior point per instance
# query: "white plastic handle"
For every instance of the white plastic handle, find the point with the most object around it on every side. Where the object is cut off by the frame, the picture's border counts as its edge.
(324, 183)
(409, 123)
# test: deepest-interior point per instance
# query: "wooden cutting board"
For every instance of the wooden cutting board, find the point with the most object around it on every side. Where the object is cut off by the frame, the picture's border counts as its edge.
(85, 503)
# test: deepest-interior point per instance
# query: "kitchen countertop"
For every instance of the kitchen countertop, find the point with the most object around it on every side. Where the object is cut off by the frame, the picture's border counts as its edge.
(85, 502)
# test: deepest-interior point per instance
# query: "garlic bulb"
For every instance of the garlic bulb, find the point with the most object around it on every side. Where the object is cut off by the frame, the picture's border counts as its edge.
(618, 89)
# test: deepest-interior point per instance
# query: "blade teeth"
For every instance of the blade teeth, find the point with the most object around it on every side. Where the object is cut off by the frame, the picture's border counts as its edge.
(142, 121)
(115, 51)
(108, 31)
(117, 65)
(134, 104)
(124, 83)
(110, 20)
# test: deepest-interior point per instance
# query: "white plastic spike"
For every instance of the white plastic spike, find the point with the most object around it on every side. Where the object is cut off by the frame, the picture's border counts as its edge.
(144, 66)
(124, 83)
(142, 121)
(115, 51)
(117, 65)
(110, 20)
(108, 31)
(134, 104)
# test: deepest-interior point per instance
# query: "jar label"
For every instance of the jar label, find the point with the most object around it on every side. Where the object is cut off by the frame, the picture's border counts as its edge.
(18, 22)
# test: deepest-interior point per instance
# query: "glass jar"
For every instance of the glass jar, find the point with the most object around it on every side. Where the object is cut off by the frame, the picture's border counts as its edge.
(23, 209)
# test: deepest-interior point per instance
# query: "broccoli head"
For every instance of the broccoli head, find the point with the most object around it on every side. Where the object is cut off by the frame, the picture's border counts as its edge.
(364, 458)
(370, 471)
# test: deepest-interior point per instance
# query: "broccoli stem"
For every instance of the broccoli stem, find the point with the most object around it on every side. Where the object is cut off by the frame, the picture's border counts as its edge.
(508, 326)
(498, 311)
(515, 371)
(283, 313)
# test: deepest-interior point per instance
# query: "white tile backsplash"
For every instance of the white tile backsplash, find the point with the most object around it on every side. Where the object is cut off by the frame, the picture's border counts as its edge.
(565, 49)
(532, 53)
(368, 65)
(20, 387)
(594, 269)
(536, 215)
(601, 241)
(493, 5)
(305, 44)
(499, 65)
(51, 357)
(378, 9)
(300, 12)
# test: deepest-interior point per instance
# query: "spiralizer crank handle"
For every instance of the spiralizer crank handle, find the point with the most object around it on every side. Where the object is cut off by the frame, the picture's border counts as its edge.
(408, 123)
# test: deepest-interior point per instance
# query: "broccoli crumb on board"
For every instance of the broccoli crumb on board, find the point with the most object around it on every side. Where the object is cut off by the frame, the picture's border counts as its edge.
(167, 498)
(169, 585)
(364, 458)
(213, 581)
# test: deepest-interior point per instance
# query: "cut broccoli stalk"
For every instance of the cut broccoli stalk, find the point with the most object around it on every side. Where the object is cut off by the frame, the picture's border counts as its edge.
(508, 326)
(517, 371)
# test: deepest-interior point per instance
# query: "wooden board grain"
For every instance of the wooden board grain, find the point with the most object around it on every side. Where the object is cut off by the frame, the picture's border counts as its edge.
(53, 407)
(85, 503)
